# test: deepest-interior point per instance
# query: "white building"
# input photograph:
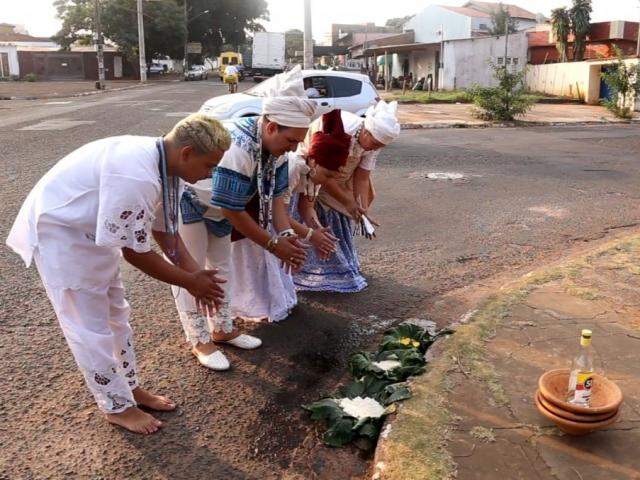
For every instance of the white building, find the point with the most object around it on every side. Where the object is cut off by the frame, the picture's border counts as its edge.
(473, 19)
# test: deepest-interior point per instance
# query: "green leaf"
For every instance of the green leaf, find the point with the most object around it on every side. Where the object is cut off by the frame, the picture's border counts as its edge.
(396, 393)
(353, 389)
(326, 409)
(340, 433)
(370, 430)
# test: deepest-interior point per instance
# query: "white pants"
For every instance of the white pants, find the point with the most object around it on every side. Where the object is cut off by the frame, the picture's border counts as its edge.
(95, 323)
(209, 251)
(261, 289)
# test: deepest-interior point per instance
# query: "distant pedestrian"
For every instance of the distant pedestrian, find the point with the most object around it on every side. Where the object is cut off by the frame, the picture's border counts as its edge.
(102, 202)
(231, 77)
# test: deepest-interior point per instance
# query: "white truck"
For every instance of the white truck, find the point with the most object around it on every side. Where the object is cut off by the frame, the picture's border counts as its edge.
(268, 57)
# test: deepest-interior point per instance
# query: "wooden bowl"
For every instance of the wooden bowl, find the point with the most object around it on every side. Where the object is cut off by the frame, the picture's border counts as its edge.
(606, 396)
(575, 428)
(575, 417)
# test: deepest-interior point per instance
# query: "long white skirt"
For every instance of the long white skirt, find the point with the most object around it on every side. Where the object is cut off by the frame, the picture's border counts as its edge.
(260, 288)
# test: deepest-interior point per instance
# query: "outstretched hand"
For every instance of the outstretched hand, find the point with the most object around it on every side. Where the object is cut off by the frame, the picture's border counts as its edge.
(204, 285)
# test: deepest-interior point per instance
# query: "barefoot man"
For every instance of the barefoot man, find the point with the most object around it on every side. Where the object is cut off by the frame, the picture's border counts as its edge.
(103, 201)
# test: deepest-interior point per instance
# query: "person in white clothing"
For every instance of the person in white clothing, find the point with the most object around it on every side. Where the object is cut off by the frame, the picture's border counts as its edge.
(102, 202)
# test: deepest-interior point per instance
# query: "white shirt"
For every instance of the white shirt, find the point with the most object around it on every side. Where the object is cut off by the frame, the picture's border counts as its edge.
(231, 70)
(96, 200)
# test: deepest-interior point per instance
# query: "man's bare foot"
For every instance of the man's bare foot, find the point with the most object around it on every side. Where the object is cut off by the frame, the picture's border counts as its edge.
(135, 420)
(154, 402)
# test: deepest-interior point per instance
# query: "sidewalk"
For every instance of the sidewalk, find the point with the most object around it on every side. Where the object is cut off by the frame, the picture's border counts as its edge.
(459, 115)
(473, 416)
(62, 89)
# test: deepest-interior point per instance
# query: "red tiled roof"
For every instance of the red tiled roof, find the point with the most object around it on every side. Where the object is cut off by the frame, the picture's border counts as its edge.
(19, 37)
(469, 12)
(489, 7)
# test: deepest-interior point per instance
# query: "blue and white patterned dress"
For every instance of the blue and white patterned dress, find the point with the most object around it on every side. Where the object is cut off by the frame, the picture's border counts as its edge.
(341, 272)
(256, 286)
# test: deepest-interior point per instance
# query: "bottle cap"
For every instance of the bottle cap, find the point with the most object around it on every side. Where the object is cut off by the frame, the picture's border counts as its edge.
(586, 333)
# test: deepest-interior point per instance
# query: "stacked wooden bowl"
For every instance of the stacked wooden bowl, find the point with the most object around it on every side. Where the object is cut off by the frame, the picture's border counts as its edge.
(551, 400)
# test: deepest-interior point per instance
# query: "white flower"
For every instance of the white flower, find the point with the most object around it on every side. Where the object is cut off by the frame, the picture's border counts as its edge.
(387, 365)
(361, 408)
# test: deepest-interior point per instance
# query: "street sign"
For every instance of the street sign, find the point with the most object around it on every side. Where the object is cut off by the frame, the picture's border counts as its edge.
(194, 47)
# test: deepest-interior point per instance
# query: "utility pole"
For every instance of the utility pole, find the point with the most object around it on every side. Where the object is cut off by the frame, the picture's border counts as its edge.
(142, 56)
(99, 42)
(506, 39)
(185, 62)
(638, 46)
(308, 37)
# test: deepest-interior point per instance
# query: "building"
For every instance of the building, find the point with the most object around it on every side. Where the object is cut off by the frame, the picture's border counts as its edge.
(340, 30)
(579, 80)
(473, 19)
(22, 54)
(600, 42)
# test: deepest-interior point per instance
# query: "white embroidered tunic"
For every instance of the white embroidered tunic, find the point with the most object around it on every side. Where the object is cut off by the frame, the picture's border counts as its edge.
(96, 200)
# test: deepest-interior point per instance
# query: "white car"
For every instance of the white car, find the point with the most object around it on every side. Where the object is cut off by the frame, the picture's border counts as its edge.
(352, 92)
(197, 72)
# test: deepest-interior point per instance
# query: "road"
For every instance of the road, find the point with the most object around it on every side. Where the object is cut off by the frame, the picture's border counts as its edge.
(518, 197)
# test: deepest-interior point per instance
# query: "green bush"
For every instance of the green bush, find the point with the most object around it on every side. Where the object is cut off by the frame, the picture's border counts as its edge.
(504, 102)
(31, 77)
(624, 82)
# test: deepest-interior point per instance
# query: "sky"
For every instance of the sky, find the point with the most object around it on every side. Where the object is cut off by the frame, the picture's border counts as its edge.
(39, 16)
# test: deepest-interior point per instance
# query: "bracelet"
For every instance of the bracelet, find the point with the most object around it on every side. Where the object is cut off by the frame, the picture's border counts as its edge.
(309, 234)
(272, 243)
(289, 232)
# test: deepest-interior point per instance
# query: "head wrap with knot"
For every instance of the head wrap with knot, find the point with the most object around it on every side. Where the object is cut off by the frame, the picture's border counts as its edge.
(330, 147)
(381, 121)
(286, 103)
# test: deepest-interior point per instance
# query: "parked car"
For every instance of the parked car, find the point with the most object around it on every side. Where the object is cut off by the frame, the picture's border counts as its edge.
(352, 92)
(196, 72)
(156, 68)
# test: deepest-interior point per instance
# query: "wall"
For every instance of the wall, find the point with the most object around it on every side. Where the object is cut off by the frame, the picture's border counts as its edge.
(422, 63)
(466, 62)
(580, 80)
(11, 51)
(429, 21)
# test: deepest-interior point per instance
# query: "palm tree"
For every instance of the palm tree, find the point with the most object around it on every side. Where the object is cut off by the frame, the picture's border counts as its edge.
(561, 25)
(580, 26)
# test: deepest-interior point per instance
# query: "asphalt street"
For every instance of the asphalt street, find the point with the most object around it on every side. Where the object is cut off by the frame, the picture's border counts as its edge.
(457, 208)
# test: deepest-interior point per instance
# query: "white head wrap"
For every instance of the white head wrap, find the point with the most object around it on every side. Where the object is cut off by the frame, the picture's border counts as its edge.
(381, 121)
(286, 102)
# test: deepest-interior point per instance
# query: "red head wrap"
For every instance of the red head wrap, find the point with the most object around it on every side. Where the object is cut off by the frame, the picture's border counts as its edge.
(330, 147)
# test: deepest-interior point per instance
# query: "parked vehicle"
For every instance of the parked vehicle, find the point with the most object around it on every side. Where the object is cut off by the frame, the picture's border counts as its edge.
(230, 58)
(156, 68)
(352, 92)
(268, 57)
(196, 72)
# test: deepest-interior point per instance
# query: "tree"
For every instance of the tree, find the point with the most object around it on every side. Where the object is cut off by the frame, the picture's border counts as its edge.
(561, 26)
(226, 22)
(504, 102)
(580, 26)
(163, 22)
(398, 22)
(624, 82)
(501, 20)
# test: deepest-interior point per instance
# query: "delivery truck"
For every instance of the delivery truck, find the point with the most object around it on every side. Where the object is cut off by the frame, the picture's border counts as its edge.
(268, 56)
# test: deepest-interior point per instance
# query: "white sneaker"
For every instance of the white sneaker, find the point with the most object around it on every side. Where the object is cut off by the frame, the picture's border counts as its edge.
(215, 361)
(245, 342)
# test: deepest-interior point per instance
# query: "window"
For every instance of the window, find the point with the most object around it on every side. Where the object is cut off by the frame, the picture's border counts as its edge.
(4, 65)
(483, 26)
(344, 87)
(316, 87)
(500, 60)
(515, 61)
(508, 60)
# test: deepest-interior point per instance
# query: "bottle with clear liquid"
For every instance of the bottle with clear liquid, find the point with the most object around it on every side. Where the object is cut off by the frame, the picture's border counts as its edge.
(581, 379)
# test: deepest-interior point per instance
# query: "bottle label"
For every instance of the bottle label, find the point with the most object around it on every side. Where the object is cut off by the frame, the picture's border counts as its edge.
(582, 393)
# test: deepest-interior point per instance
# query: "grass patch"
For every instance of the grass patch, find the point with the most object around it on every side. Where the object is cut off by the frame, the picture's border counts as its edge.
(483, 434)
(455, 96)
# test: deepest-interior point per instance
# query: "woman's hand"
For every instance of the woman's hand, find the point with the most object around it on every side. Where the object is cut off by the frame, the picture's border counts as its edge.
(355, 210)
(324, 242)
(291, 251)
(204, 285)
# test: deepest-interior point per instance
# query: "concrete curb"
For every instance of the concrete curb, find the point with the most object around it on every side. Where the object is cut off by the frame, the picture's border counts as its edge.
(81, 94)
(471, 323)
(438, 126)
